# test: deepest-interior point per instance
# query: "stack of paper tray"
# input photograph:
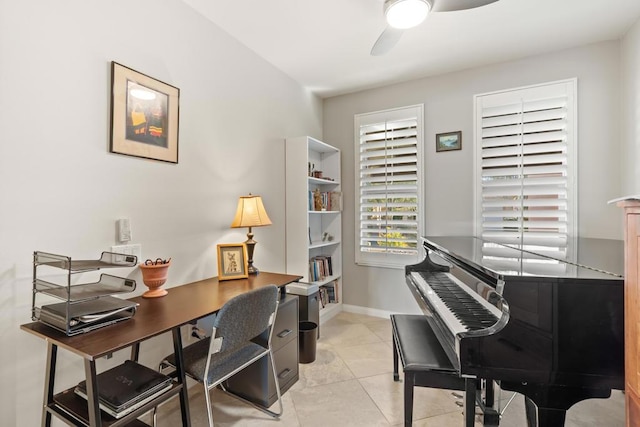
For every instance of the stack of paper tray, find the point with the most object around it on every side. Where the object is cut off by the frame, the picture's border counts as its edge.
(127, 387)
(86, 315)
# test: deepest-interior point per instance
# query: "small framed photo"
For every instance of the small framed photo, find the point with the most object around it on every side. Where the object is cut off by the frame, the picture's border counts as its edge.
(449, 141)
(232, 261)
(144, 115)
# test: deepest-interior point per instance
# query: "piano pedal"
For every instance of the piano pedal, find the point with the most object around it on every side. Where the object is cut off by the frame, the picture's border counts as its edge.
(457, 395)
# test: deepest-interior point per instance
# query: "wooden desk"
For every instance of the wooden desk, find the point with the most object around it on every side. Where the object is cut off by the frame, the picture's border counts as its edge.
(153, 317)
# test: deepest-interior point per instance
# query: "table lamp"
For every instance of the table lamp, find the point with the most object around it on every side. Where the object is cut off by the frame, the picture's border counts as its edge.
(250, 213)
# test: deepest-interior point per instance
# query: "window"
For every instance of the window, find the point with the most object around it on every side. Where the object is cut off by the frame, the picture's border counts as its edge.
(389, 186)
(526, 166)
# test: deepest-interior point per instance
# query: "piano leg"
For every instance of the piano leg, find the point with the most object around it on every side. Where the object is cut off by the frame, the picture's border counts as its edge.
(531, 411)
(469, 402)
(551, 417)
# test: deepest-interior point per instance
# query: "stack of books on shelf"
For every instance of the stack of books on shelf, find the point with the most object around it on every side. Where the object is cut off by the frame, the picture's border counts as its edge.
(329, 293)
(127, 387)
(320, 267)
(329, 201)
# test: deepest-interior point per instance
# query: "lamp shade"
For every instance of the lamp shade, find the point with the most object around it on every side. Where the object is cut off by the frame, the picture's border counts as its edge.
(250, 213)
(405, 14)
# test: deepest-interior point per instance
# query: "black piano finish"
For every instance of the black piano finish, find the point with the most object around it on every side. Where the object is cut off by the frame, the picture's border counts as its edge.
(564, 338)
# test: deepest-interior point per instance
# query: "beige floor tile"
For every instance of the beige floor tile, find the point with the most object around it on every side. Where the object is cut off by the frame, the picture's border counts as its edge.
(388, 395)
(348, 335)
(227, 411)
(346, 317)
(326, 369)
(366, 360)
(382, 328)
(342, 404)
(451, 419)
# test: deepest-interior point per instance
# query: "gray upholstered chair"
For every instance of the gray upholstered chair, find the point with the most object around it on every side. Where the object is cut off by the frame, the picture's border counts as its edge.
(233, 347)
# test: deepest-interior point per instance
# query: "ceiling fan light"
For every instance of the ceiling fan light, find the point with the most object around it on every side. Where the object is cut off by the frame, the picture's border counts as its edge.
(405, 14)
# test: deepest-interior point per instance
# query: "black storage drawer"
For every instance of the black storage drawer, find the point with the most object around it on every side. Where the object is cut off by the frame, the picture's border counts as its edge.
(286, 326)
(255, 382)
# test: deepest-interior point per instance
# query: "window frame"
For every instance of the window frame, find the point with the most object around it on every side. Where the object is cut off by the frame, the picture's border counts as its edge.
(387, 259)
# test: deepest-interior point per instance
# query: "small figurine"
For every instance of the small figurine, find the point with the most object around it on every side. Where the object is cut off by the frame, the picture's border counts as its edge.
(317, 200)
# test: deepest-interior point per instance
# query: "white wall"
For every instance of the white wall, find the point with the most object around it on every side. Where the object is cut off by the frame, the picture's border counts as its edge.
(631, 110)
(60, 189)
(448, 101)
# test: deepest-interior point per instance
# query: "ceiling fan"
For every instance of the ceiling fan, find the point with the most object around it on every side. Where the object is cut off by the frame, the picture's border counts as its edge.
(405, 14)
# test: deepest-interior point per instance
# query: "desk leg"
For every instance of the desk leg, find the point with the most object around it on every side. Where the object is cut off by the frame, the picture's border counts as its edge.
(49, 381)
(135, 351)
(184, 398)
(92, 393)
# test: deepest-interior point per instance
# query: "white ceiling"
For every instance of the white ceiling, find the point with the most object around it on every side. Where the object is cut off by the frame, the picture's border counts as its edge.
(324, 44)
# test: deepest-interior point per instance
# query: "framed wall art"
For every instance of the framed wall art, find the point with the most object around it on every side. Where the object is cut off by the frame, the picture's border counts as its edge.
(449, 141)
(144, 115)
(232, 261)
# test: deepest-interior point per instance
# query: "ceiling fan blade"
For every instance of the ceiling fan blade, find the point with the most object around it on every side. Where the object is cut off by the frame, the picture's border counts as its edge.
(387, 40)
(453, 5)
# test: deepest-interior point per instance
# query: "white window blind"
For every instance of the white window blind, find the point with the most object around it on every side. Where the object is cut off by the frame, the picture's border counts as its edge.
(388, 186)
(525, 166)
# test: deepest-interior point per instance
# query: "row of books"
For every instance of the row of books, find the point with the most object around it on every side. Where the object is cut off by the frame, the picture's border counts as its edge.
(127, 387)
(329, 293)
(325, 200)
(320, 267)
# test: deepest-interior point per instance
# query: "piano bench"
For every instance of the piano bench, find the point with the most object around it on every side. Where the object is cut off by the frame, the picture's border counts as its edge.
(424, 362)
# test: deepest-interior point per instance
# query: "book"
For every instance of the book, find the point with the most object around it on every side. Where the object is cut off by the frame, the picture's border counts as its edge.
(134, 405)
(335, 201)
(125, 386)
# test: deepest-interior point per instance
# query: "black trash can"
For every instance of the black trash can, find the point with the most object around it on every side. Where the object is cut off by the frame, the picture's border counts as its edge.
(308, 335)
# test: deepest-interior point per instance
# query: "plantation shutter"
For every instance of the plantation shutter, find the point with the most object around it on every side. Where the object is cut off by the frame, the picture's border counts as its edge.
(525, 159)
(388, 186)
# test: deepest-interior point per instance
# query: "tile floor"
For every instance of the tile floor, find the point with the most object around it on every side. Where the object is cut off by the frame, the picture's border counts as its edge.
(351, 384)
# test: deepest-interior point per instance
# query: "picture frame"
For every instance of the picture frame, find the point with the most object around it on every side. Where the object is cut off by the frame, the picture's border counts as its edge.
(232, 261)
(449, 141)
(144, 115)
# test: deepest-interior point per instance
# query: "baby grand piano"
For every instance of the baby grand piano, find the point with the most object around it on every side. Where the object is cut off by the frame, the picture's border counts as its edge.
(547, 324)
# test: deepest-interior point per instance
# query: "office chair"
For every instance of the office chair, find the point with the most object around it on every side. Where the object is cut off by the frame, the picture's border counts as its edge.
(233, 347)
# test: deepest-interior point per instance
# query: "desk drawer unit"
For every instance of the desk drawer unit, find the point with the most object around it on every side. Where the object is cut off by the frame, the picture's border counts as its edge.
(255, 383)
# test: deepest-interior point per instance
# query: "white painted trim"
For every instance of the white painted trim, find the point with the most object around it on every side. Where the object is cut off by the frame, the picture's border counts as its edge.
(374, 312)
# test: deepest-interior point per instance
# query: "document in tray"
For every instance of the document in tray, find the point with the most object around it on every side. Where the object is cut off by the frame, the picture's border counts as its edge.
(87, 315)
(127, 387)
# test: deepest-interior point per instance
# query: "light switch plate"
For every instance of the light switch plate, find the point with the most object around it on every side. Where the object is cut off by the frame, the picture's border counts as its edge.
(134, 249)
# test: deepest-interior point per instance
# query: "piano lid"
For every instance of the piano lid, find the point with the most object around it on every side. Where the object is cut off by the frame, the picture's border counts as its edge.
(585, 258)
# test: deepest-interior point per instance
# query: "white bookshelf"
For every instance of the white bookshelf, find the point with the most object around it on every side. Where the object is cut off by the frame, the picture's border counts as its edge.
(305, 226)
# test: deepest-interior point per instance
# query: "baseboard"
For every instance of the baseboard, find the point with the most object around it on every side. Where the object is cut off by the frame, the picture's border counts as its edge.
(366, 310)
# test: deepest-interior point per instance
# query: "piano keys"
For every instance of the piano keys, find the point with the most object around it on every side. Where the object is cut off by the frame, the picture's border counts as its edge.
(538, 322)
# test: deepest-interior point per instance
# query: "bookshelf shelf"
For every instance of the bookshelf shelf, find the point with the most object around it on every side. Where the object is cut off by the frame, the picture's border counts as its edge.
(325, 281)
(312, 232)
(316, 245)
(323, 212)
(322, 181)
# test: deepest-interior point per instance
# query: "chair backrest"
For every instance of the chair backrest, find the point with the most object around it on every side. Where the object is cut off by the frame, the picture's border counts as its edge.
(245, 317)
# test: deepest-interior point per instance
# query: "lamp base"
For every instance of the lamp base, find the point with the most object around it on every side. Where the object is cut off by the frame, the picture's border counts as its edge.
(251, 245)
